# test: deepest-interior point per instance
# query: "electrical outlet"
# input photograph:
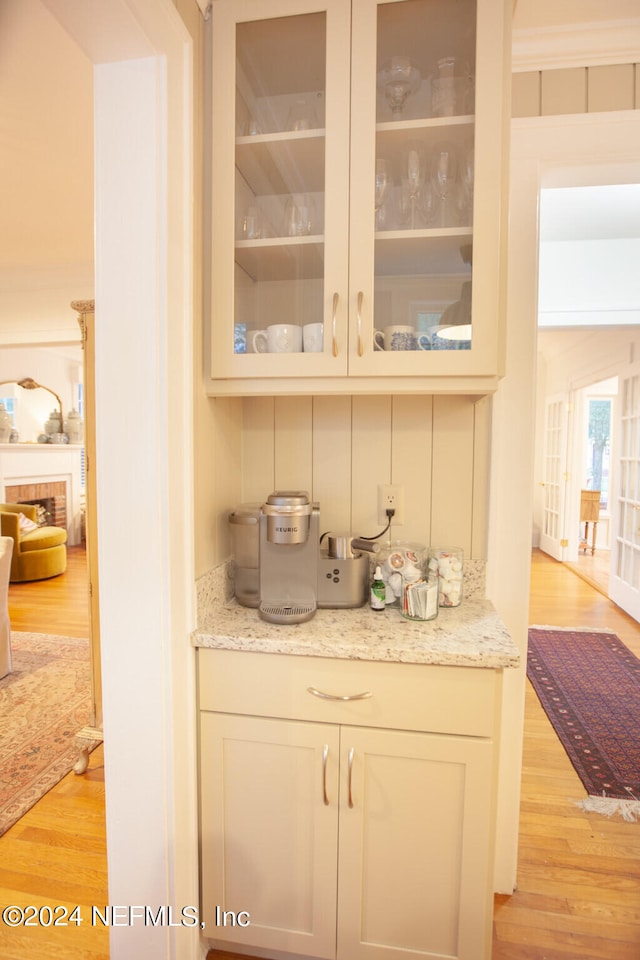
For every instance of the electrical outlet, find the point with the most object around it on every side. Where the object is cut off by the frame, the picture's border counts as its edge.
(390, 497)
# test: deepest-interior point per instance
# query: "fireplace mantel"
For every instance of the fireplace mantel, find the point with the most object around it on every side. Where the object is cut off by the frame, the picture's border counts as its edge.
(37, 463)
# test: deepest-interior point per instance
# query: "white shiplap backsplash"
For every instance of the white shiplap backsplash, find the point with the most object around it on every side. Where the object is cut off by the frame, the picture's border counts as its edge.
(341, 448)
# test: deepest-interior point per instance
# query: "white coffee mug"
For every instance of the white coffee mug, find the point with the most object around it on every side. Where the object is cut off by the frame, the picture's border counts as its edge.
(312, 337)
(397, 336)
(257, 342)
(279, 338)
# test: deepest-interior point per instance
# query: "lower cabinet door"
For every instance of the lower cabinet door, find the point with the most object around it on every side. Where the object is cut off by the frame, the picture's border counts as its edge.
(269, 833)
(415, 876)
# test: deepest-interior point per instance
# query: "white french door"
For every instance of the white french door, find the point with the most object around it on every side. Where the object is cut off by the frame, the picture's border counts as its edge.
(553, 538)
(624, 574)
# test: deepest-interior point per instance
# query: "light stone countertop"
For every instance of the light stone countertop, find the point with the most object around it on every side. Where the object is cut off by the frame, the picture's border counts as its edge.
(471, 635)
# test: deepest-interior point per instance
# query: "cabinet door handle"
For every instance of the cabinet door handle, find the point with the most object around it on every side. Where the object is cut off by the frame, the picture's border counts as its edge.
(333, 324)
(359, 314)
(334, 696)
(325, 757)
(350, 774)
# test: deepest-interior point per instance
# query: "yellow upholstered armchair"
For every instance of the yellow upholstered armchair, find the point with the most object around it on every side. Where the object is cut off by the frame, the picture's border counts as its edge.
(38, 552)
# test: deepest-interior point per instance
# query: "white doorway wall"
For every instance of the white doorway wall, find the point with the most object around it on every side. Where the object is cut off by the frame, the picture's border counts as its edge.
(588, 322)
(560, 149)
(144, 323)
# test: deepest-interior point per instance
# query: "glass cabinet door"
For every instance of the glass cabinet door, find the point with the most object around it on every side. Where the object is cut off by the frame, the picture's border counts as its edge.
(279, 287)
(358, 158)
(414, 70)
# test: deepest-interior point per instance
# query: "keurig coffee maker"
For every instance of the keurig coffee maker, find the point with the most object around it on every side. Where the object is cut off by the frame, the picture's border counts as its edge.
(288, 557)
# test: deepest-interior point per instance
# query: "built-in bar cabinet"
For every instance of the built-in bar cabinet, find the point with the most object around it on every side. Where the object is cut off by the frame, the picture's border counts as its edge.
(358, 195)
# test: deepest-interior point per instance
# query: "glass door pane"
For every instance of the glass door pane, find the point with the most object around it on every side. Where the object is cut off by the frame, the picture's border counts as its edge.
(279, 185)
(424, 175)
(624, 580)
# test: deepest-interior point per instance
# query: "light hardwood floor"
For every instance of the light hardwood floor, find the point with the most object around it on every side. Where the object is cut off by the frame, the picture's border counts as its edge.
(57, 605)
(578, 895)
(594, 568)
(56, 854)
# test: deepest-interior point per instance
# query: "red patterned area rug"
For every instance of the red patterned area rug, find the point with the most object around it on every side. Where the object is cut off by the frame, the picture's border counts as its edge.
(44, 703)
(589, 685)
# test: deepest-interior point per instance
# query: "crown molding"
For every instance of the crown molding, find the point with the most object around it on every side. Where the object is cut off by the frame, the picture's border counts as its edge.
(576, 45)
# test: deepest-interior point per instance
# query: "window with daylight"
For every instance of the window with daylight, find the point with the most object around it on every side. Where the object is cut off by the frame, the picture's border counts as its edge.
(10, 407)
(599, 447)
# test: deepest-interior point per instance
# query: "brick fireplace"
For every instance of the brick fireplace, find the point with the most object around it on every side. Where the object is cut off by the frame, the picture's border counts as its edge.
(52, 496)
(45, 472)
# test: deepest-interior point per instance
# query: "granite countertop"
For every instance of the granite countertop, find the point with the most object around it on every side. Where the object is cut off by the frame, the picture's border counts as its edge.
(471, 635)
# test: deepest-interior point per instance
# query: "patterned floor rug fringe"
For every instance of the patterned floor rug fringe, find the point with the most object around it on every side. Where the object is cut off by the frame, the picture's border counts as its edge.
(588, 683)
(609, 807)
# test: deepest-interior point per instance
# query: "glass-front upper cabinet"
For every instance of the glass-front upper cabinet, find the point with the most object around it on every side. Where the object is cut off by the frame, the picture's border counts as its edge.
(358, 195)
(280, 105)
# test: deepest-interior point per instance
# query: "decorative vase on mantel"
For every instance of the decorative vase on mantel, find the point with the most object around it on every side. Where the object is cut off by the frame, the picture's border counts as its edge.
(73, 426)
(53, 424)
(6, 424)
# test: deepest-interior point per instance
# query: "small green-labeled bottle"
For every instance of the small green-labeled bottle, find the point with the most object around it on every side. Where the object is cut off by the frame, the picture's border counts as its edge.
(377, 599)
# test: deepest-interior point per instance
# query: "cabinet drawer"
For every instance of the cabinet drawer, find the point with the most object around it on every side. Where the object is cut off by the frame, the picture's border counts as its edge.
(439, 699)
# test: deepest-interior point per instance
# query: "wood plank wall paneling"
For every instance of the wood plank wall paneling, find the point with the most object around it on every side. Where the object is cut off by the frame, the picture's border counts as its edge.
(293, 443)
(591, 89)
(525, 94)
(342, 448)
(226, 469)
(563, 91)
(481, 470)
(258, 454)
(332, 461)
(371, 460)
(412, 461)
(452, 484)
(611, 87)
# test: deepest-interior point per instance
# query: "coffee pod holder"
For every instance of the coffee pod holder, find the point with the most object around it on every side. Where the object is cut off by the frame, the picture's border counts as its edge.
(400, 560)
(447, 564)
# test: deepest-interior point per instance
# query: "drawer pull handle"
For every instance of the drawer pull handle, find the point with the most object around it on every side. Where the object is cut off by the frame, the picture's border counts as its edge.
(350, 769)
(335, 696)
(325, 757)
